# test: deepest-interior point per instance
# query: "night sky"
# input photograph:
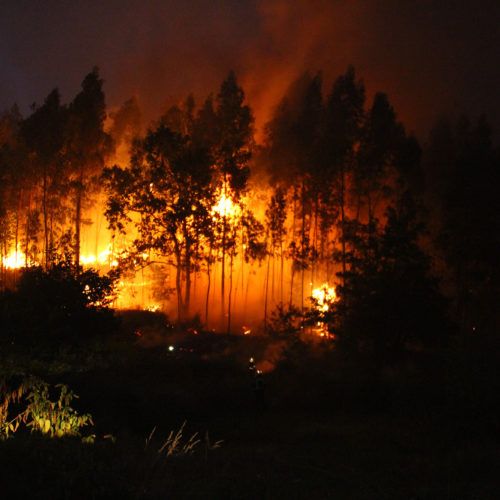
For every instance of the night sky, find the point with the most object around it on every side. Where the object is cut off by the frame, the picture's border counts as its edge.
(430, 56)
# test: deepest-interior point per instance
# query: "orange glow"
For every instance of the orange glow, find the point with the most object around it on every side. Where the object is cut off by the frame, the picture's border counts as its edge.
(225, 207)
(102, 258)
(248, 283)
(323, 297)
(14, 260)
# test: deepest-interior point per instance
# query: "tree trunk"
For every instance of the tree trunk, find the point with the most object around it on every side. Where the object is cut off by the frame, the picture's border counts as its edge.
(266, 293)
(187, 296)
(292, 272)
(342, 222)
(223, 273)
(78, 220)
(282, 270)
(209, 268)
(45, 222)
(230, 293)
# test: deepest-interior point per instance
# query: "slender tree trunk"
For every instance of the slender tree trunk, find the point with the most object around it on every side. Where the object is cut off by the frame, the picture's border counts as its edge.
(208, 294)
(18, 216)
(51, 238)
(303, 239)
(178, 278)
(266, 293)
(45, 222)
(282, 271)
(209, 269)
(243, 273)
(342, 221)
(78, 220)
(27, 232)
(247, 289)
(223, 274)
(315, 244)
(187, 299)
(272, 277)
(230, 293)
(178, 288)
(370, 217)
(292, 272)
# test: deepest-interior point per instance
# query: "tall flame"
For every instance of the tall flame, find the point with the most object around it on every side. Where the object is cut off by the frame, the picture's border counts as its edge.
(14, 260)
(225, 206)
(324, 296)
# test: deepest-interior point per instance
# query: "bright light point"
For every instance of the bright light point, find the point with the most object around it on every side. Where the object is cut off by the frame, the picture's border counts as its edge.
(323, 297)
(225, 207)
(15, 260)
(170, 348)
(101, 258)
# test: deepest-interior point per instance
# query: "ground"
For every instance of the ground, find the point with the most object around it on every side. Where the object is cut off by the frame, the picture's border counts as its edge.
(334, 425)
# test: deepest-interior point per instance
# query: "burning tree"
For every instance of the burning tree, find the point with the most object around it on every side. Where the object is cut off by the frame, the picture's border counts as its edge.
(44, 135)
(87, 146)
(166, 194)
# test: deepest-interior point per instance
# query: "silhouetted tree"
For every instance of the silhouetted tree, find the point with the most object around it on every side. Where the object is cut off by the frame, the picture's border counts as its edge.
(392, 302)
(462, 175)
(343, 122)
(88, 144)
(44, 135)
(231, 154)
(165, 194)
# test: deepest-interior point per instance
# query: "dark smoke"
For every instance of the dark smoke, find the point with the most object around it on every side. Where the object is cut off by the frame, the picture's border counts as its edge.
(430, 56)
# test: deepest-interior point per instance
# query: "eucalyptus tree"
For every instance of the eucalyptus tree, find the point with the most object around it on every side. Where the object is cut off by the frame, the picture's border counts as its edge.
(276, 233)
(231, 152)
(381, 137)
(293, 144)
(393, 299)
(341, 134)
(87, 144)
(17, 187)
(165, 193)
(44, 135)
(462, 168)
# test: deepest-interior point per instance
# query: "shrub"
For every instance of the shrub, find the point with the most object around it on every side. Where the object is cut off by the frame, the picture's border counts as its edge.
(29, 405)
(56, 306)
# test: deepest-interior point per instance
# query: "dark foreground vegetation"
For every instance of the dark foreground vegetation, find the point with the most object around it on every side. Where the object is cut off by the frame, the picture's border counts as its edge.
(329, 422)
(395, 401)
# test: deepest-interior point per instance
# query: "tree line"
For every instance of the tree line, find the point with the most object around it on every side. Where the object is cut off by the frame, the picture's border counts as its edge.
(350, 197)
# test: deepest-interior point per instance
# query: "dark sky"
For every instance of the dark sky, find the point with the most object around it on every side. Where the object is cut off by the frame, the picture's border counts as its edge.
(430, 56)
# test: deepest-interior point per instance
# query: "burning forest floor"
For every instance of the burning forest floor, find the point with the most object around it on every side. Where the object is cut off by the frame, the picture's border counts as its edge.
(321, 424)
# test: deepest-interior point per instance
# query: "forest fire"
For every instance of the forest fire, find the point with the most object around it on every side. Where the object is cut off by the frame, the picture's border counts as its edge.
(323, 297)
(14, 260)
(184, 220)
(225, 206)
(267, 261)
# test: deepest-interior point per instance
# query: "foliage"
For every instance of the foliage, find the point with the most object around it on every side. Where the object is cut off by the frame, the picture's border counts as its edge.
(36, 411)
(56, 306)
(285, 321)
(462, 173)
(173, 445)
(389, 302)
(166, 190)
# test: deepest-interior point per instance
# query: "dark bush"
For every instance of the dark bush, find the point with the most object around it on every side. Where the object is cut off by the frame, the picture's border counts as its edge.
(57, 306)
